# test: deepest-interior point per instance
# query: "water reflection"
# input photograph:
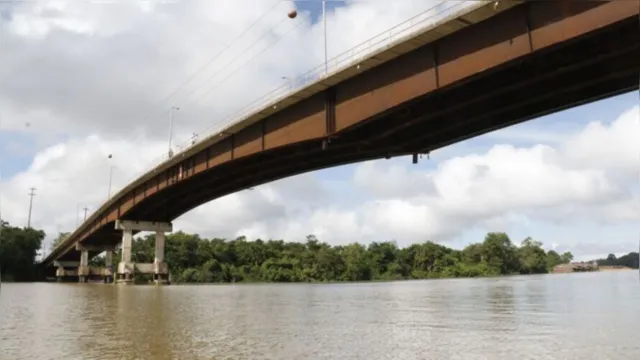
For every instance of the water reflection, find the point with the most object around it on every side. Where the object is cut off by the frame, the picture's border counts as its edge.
(535, 317)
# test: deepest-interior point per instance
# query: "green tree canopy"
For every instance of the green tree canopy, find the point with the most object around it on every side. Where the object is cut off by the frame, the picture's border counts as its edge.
(18, 250)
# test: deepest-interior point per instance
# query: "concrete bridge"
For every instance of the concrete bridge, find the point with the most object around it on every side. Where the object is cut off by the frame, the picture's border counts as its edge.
(485, 67)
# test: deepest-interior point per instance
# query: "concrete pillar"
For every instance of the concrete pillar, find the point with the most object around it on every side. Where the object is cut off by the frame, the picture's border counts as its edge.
(125, 267)
(108, 264)
(159, 266)
(83, 269)
(60, 273)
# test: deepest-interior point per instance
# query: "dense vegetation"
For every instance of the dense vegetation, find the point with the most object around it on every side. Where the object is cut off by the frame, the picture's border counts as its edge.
(18, 250)
(629, 260)
(194, 259)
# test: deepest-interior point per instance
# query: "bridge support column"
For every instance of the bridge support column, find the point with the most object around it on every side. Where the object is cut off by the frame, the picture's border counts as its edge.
(159, 267)
(83, 269)
(60, 273)
(108, 264)
(64, 270)
(126, 267)
(160, 270)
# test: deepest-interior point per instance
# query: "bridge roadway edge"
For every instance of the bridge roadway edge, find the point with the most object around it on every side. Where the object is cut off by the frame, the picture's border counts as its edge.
(333, 156)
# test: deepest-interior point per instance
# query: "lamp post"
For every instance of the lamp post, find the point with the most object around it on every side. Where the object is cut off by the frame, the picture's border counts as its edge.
(292, 15)
(110, 175)
(324, 22)
(171, 128)
(288, 81)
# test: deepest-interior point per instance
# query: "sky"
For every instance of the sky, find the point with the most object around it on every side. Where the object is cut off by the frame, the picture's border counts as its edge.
(80, 80)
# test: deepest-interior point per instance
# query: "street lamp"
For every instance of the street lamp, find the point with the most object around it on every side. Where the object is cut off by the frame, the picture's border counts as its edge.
(171, 127)
(292, 15)
(288, 81)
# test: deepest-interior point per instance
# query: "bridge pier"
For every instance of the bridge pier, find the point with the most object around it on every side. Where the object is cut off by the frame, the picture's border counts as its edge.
(83, 268)
(160, 269)
(66, 270)
(126, 268)
(84, 271)
(108, 264)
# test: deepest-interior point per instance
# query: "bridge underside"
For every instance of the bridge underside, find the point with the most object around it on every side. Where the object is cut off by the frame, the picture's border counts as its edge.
(602, 64)
(592, 68)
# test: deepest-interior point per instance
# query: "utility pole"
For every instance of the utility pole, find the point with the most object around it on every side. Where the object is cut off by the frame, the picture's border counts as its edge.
(170, 152)
(31, 195)
(85, 213)
(324, 21)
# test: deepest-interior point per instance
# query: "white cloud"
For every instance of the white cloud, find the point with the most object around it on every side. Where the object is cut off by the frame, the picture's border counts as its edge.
(89, 73)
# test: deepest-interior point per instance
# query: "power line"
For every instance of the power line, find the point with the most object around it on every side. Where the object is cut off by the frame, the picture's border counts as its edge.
(234, 60)
(224, 120)
(253, 58)
(215, 57)
(32, 193)
(227, 47)
(236, 71)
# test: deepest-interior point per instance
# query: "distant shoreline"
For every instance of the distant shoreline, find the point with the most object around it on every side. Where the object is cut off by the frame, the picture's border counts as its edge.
(614, 268)
(587, 267)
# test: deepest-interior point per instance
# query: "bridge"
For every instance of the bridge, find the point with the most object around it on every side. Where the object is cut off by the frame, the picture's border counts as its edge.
(481, 68)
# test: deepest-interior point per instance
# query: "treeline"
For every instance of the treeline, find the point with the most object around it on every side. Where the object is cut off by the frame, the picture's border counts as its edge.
(197, 260)
(629, 260)
(18, 250)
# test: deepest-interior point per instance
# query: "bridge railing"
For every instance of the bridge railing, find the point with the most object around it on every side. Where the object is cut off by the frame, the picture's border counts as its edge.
(351, 57)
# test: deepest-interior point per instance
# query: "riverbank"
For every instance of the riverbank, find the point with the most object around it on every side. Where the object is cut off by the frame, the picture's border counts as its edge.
(614, 268)
(588, 267)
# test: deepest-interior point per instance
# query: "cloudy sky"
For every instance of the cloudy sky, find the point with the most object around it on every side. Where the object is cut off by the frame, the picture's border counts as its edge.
(82, 79)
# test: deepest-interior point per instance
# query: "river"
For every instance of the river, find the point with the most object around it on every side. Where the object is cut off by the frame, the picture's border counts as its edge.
(561, 316)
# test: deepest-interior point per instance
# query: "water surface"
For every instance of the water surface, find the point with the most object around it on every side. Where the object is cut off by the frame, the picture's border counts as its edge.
(562, 316)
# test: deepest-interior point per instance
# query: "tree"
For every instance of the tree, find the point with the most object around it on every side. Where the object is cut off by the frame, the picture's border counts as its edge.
(18, 250)
(500, 254)
(553, 259)
(59, 239)
(532, 257)
(566, 257)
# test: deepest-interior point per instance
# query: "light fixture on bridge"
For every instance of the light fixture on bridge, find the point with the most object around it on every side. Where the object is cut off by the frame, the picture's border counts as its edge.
(176, 108)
